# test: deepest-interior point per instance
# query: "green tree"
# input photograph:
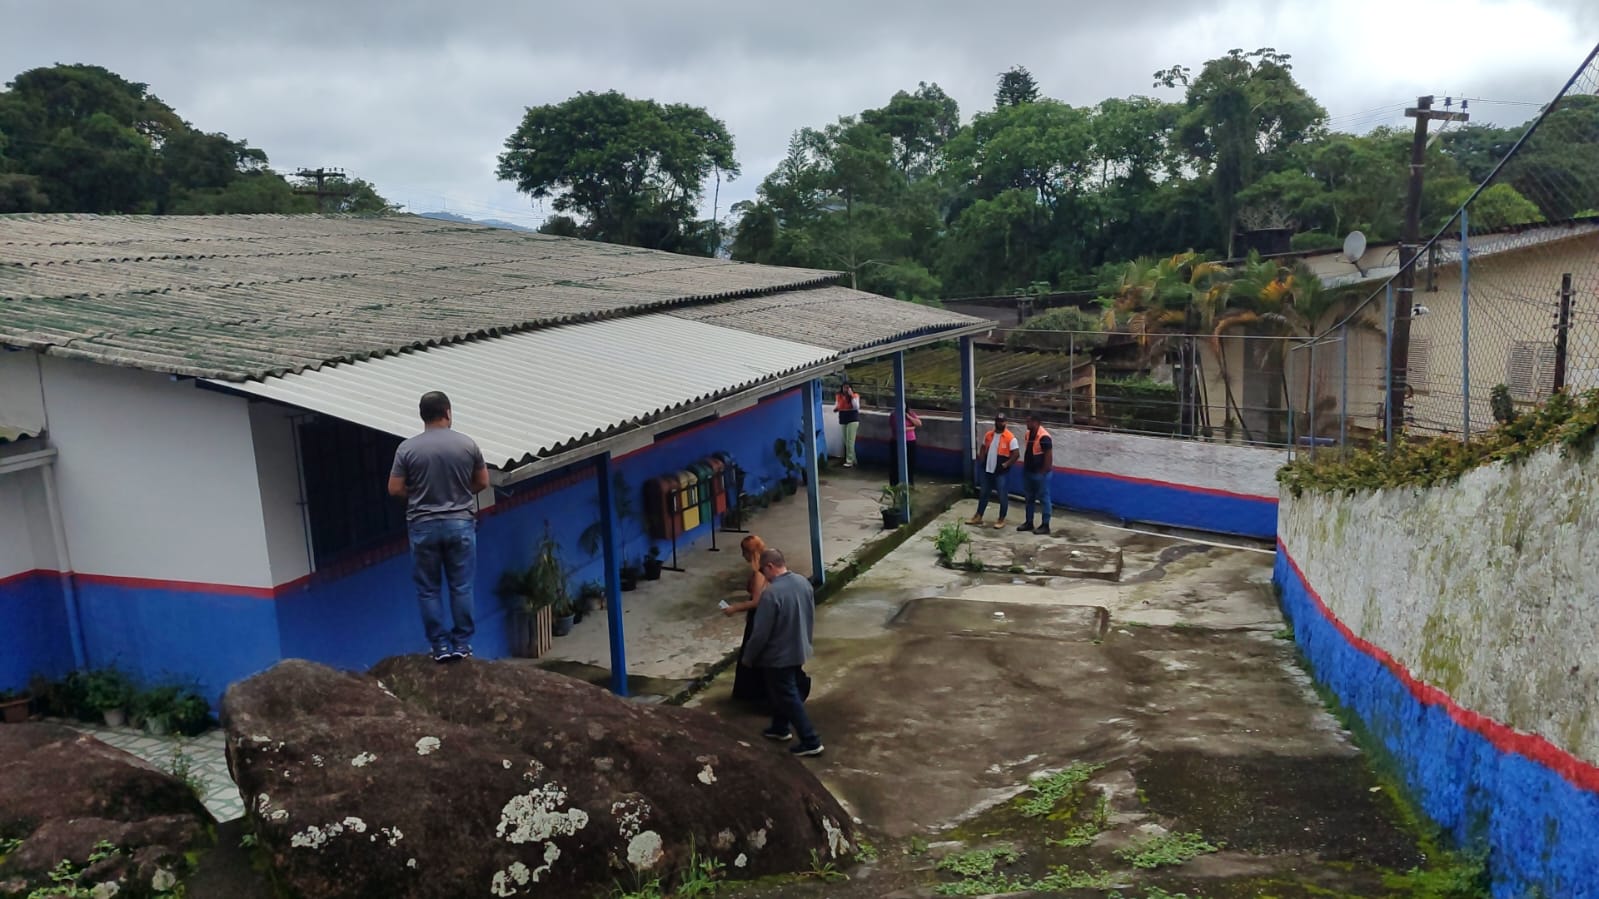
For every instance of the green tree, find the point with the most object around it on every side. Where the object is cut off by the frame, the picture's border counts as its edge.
(1243, 110)
(1016, 86)
(634, 170)
(1498, 206)
(78, 138)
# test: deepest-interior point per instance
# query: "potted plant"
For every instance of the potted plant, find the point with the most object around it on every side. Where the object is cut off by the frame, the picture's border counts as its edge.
(191, 714)
(108, 691)
(153, 709)
(530, 594)
(631, 572)
(562, 615)
(789, 454)
(890, 503)
(13, 706)
(591, 597)
(652, 564)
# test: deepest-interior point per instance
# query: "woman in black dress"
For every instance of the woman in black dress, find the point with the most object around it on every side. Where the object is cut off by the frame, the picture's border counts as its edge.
(748, 685)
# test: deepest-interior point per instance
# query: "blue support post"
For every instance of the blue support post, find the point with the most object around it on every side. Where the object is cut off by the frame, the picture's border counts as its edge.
(1465, 327)
(811, 396)
(969, 408)
(1388, 367)
(613, 576)
(898, 438)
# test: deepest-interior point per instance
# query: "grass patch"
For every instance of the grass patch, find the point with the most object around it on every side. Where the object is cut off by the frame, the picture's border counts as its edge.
(976, 862)
(1454, 877)
(1043, 794)
(1165, 850)
(1086, 832)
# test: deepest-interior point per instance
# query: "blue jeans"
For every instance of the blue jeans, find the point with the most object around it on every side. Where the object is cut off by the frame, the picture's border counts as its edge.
(444, 549)
(788, 706)
(988, 482)
(1037, 492)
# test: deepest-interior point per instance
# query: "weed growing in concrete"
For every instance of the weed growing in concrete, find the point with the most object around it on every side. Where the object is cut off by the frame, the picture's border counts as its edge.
(952, 535)
(1085, 833)
(1165, 849)
(917, 847)
(699, 880)
(181, 766)
(823, 871)
(1062, 877)
(865, 851)
(977, 862)
(1286, 633)
(8, 845)
(1046, 791)
(1455, 877)
(972, 562)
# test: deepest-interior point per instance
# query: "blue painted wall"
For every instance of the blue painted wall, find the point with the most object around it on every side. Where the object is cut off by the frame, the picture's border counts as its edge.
(354, 620)
(36, 640)
(1540, 830)
(160, 634)
(1128, 499)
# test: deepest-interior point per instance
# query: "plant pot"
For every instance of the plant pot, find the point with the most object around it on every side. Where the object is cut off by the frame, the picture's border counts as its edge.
(114, 717)
(791, 486)
(652, 569)
(157, 726)
(529, 633)
(629, 581)
(15, 711)
(562, 626)
(891, 519)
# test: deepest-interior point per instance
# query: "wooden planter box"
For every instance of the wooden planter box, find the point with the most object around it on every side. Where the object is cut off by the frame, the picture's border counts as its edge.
(14, 711)
(531, 635)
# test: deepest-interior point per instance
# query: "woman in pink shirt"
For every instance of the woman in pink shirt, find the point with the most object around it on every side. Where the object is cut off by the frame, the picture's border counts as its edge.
(912, 422)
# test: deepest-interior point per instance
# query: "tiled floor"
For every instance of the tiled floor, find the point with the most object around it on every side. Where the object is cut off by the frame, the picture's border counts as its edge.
(206, 758)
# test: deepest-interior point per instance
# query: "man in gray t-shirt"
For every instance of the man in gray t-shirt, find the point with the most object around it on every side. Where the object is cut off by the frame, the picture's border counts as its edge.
(779, 645)
(440, 472)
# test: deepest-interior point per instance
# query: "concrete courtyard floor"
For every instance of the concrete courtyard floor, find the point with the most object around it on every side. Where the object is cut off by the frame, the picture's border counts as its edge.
(1170, 696)
(676, 634)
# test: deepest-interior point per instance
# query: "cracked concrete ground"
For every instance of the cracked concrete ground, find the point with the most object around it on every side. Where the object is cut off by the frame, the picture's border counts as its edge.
(939, 694)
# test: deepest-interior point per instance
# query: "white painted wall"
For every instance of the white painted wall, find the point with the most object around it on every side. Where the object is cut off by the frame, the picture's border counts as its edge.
(21, 402)
(1487, 589)
(278, 479)
(25, 539)
(157, 478)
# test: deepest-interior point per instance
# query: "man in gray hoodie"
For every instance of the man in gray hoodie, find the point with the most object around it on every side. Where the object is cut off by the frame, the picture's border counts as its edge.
(779, 645)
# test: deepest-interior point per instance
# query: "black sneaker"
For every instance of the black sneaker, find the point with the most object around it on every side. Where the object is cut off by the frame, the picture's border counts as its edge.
(1025, 527)
(462, 651)
(443, 653)
(1043, 530)
(780, 735)
(802, 749)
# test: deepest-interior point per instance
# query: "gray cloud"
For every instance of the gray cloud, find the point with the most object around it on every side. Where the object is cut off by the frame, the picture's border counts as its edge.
(418, 96)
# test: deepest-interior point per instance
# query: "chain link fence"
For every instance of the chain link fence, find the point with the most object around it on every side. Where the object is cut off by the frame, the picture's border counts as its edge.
(1504, 299)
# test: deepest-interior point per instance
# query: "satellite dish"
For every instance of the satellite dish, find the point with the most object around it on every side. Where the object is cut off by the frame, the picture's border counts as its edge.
(1354, 246)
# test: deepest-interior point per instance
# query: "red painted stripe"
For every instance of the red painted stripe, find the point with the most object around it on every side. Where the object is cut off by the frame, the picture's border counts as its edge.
(1575, 771)
(141, 583)
(21, 576)
(1150, 482)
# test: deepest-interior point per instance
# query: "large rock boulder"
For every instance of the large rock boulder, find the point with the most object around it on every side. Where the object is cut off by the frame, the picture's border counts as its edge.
(65, 795)
(500, 779)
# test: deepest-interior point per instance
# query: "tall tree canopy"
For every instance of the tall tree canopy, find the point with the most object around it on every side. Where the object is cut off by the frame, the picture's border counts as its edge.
(1016, 87)
(635, 171)
(80, 138)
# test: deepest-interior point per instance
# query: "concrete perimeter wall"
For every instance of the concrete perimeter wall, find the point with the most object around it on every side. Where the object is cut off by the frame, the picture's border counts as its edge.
(1461, 624)
(1212, 487)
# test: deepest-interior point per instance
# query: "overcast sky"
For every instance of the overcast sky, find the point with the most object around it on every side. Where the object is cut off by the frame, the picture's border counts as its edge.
(418, 97)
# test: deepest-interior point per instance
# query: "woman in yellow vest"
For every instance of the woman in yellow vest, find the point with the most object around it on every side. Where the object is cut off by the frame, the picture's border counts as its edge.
(848, 407)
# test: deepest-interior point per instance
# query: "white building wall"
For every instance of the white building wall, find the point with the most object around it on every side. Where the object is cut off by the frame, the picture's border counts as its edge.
(282, 500)
(25, 539)
(21, 401)
(157, 478)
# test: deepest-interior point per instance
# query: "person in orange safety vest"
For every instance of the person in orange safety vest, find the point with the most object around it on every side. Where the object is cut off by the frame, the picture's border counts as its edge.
(994, 459)
(1038, 469)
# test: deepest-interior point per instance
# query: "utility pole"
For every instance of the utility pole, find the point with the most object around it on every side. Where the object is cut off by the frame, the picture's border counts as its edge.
(1399, 347)
(1562, 331)
(321, 176)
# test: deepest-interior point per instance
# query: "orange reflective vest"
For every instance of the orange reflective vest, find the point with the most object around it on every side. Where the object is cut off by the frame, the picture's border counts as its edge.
(844, 403)
(1037, 448)
(1004, 445)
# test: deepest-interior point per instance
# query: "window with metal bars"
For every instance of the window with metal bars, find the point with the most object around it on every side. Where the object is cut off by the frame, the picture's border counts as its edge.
(346, 487)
